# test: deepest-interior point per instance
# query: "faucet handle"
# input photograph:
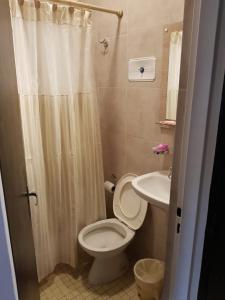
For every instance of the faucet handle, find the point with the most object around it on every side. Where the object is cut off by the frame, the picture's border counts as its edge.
(170, 172)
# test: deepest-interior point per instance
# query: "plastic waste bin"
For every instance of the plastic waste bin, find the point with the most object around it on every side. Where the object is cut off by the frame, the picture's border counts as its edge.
(149, 275)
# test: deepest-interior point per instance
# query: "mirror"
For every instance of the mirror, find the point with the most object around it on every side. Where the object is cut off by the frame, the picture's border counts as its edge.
(173, 74)
(171, 61)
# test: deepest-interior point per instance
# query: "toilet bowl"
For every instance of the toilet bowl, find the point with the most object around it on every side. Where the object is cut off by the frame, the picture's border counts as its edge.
(106, 240)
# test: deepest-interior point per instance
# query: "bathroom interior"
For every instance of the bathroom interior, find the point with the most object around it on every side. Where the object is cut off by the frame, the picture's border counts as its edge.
(98, 98)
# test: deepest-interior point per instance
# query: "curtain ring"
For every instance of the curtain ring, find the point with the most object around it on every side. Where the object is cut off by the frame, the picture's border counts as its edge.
(37, 4)
(54, 7)
(21, 2)
(71, 10)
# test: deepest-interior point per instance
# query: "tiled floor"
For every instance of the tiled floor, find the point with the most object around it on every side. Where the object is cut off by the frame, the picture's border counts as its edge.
(62, 285)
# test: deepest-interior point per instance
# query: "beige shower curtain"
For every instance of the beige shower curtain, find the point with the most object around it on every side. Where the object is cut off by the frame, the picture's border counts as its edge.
(53, 54)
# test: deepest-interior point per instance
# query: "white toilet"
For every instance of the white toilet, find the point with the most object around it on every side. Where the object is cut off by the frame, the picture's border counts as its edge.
(106, 240)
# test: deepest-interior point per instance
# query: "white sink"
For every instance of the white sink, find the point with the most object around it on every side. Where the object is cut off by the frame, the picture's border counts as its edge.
(154, 187)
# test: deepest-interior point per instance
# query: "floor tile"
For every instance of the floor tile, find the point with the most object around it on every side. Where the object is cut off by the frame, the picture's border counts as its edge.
(62, 285)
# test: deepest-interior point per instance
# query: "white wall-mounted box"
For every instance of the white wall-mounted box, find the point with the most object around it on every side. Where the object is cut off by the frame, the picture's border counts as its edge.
(141, 69)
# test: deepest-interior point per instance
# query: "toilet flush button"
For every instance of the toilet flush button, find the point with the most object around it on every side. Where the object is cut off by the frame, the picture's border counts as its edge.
(142, 69)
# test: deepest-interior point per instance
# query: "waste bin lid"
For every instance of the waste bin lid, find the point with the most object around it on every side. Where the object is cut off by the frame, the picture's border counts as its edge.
(149, 270)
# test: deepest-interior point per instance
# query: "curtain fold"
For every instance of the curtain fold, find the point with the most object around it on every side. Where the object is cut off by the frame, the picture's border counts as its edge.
(53, 54)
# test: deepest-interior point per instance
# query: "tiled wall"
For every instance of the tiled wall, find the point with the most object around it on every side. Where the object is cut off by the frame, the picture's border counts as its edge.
(129, 110)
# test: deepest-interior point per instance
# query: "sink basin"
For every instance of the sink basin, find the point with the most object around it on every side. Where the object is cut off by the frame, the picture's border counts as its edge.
(154, 188)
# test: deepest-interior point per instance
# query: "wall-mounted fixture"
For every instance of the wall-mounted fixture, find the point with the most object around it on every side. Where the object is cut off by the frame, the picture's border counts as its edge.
(161, 149)
(141, 69)
(118, 13)
(105, 43)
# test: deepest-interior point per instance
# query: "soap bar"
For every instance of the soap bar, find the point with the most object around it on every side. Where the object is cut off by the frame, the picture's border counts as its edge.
(161, 149)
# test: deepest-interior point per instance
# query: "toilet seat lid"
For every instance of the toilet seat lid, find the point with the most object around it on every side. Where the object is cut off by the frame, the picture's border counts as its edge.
(128, 207)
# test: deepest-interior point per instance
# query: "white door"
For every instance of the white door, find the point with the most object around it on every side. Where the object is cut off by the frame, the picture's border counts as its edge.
(198, 114)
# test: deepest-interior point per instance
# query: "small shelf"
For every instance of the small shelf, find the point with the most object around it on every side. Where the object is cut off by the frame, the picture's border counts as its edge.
(167, 124)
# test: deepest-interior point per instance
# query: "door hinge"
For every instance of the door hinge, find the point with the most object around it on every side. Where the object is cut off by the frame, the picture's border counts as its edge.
(179, 214)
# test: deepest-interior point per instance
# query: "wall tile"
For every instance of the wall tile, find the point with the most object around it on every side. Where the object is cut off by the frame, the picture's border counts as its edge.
(113, 109)
(174, 10)
(149, 13)
(142, 113)
(140, 158)
(111, 68)
(167, 135)
(110, 25)
(109, 205)
(145, 13)
(114, 154)
(144, 41)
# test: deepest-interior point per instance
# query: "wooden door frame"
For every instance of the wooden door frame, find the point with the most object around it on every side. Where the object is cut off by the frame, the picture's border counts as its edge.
(201, 116)
(13, 169)
(8, 287)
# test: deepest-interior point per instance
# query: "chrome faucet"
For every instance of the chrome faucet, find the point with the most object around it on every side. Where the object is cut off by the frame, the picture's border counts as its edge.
(170, 173)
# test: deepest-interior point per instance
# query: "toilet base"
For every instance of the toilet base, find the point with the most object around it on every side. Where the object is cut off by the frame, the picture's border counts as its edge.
(104, 270)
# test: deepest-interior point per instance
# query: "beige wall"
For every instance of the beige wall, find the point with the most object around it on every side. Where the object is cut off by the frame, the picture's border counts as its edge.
(129, 111)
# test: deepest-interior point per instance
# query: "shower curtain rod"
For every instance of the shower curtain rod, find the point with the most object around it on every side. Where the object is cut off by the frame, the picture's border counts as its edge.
(73, 3)
(119, 13)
